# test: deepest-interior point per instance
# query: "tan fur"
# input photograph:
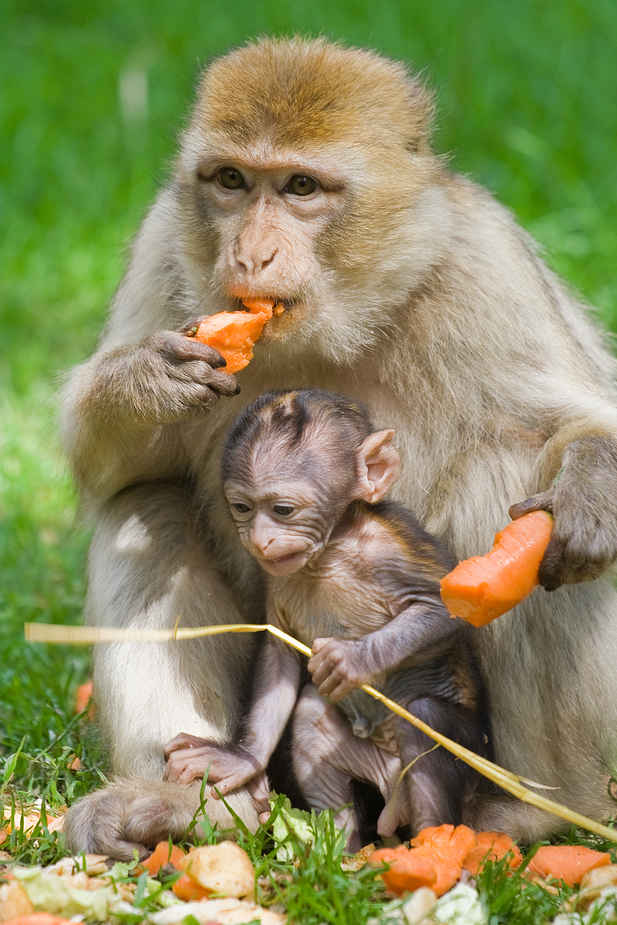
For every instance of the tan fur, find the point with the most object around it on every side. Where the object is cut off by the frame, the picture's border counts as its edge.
(414, 292)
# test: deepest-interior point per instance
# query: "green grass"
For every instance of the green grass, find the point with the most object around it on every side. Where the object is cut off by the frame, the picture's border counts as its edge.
(526, 96)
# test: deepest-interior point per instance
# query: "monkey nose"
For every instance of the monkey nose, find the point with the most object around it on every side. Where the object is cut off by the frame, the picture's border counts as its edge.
(254, 264)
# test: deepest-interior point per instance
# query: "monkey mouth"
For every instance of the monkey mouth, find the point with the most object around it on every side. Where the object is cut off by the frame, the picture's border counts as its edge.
(279, 306)
(284, 565)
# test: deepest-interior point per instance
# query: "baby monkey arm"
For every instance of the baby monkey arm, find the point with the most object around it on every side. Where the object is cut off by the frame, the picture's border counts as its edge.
(419, 633)
(229, 766)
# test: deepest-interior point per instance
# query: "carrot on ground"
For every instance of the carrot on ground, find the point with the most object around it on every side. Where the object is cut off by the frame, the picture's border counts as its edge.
(446, 847)
(409, 870)
(161, 856)
(83, 698)
(234, 334)
(186, 889)
(435, 859)
(484, 587)
(569, 863)
(492, 846)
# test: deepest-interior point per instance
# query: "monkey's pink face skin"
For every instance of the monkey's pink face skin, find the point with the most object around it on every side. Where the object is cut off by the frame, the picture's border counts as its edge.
(284, 531)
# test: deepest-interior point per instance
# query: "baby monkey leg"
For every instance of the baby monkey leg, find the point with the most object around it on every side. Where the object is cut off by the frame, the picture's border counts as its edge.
(327, 757)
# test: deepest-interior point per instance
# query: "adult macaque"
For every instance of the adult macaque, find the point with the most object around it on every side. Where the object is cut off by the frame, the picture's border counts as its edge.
(357, 579)
(306, 175)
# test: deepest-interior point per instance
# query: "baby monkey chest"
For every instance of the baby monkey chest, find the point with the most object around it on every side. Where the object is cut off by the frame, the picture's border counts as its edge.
(330, 607)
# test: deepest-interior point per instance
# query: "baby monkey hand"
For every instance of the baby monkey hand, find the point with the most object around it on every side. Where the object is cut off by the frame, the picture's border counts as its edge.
(338, 666)
(228, 766)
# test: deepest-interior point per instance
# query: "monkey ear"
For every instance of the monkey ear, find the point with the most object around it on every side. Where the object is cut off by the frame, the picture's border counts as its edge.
(378, 467)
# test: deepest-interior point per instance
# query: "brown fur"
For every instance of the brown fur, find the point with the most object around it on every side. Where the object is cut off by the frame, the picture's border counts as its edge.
(409, 288)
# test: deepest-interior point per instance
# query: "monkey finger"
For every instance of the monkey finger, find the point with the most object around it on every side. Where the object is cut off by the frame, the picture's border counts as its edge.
(198, 371)
(183, 349)
(322, 674)
(335, 686)
(185, 740)
(551, 567)
(227, 784)
(541, 502)
(259, 789)
(182, 772)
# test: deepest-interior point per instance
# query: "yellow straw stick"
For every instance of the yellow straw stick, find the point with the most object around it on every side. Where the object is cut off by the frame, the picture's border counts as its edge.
(513, 783)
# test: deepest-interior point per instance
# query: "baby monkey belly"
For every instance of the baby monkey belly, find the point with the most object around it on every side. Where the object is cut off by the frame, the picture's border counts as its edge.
(372, 719)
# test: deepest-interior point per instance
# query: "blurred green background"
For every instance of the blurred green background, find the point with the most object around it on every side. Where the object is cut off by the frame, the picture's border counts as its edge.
(92, 96)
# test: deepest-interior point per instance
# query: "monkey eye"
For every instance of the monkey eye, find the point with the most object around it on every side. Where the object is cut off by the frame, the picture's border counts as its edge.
(230, 178)
(239, 507)
(283, 510)
(301, 186)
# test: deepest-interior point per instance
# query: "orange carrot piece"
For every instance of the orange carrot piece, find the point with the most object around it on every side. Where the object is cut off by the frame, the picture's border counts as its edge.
(492, 846)
(447, 840)
(409, 870)
(446, 847)
(234, 334)
(186, 889)
(569, 863)
(484, 587)
(83, 698)
(161, 856)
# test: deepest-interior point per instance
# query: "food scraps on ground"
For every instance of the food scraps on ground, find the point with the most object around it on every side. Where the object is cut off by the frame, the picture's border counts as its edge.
(83, 699)
(163, 854)
(569, 863)
(485, 587)
(437, 856)
(492, 846)
(234, 334)
(225, 869)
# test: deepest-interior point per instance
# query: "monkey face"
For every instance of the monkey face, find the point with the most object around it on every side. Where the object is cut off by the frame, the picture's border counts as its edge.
(308, 193)
(284, 530)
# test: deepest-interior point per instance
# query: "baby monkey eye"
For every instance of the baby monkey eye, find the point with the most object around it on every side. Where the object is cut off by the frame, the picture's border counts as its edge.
(239, 507)
(284, 510)
(301, 186)
(230, 178)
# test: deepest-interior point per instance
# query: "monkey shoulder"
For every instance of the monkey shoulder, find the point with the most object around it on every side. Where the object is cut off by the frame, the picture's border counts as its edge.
(396, 532)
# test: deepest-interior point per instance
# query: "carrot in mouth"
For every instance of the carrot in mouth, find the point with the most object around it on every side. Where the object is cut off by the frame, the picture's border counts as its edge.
(234, 334)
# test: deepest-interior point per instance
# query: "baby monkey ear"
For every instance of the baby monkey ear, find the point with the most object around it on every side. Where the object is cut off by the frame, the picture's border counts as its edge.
(378, 465)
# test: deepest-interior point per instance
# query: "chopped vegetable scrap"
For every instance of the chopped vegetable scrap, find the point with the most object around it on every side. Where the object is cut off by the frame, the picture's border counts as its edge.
(234, 334)
(84, 699)
(438, 855)
(162, 855)
(569, 863)
(492, 846)
(225, 869)
(485, 587)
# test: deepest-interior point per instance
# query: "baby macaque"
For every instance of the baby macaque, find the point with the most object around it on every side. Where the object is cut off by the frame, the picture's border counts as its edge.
(357, 579)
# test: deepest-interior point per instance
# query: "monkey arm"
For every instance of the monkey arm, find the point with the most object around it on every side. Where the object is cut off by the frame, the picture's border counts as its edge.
(124, 409)
(422, 631)
(583, 500)
(274, 696)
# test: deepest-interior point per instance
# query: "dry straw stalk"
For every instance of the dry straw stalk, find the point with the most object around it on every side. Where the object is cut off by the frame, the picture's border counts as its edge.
(513, 783)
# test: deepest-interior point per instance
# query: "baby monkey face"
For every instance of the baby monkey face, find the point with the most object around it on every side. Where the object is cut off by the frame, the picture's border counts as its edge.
(285, 526)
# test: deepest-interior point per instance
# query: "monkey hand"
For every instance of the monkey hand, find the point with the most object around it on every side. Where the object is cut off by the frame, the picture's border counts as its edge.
(227, 766)
(172, 377)
(583, 501)
(338, 666)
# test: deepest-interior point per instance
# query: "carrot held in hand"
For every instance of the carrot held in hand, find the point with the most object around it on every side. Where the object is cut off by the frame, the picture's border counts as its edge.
(234, 334)
(483, 587)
